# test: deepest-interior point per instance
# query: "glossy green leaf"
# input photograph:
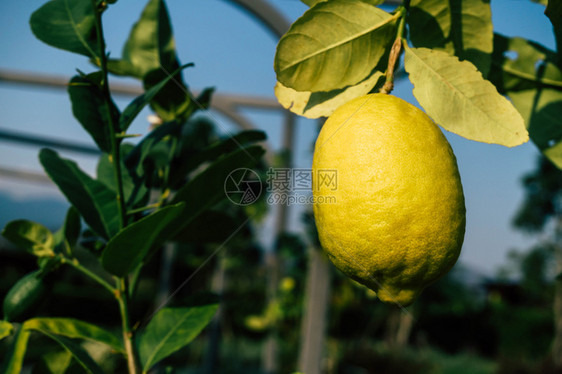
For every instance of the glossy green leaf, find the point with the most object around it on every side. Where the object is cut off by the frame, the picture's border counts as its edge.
(170, 330)
(209, 227)
(75, 329)
(150, 44)
(78, 353)
(135, 107)
(520, 64)
(68, 25)
(95, 201)
(31, 237)
(333, 45)
(457, 97)
(541, 110)
(91, 109)
(460, 27)
(322, 104)
(128, 249)
(13, 360)
(6, 329)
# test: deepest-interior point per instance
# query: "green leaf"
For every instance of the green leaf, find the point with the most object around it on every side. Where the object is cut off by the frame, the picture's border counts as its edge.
(13, 360)
(520, 64)
(322, 104)
(150, 44)
(173, 101)
(333, 45)
(128, 249)
(79, 354)
(75, 329)
(140, 161)
(191, 159)
(460, 27)
(70, 230)
(31, 237)
(6, 329)
(204, 98)
(56, 362)
(135, 107)
(133, 188)
(122, 68)
(149, 54)
(170, 330)
(541, 110)
(94, 200)
(207, 188)
(90, 108)
(554, 13)
(311, 3)
(457, 97)
(68, 25)
(209, 227)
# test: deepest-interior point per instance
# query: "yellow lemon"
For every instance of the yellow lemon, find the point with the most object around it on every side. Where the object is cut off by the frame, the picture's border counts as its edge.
(388, 199)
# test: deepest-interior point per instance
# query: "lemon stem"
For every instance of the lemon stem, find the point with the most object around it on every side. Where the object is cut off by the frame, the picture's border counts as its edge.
(394, 53)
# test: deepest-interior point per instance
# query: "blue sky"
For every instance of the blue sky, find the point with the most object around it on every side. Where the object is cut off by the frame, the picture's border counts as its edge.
(233, 53)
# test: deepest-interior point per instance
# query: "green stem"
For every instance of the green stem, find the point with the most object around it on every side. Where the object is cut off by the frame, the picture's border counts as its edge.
(115, 157)
(76, 265)
(122, 297)
(395, 50)
(114, 139)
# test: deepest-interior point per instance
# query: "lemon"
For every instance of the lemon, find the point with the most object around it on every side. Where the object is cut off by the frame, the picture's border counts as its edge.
(388, 199)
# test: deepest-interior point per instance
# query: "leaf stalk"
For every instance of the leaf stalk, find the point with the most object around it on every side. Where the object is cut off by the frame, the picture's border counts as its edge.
(76, 265)
(395, 51)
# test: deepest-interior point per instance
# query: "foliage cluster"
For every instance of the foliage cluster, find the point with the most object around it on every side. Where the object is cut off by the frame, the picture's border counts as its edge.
(162, 188)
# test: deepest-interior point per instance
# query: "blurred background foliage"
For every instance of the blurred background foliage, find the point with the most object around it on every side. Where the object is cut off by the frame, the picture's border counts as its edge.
(464, 323)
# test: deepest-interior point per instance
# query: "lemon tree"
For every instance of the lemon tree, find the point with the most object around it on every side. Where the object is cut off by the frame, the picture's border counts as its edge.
(396, 221)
